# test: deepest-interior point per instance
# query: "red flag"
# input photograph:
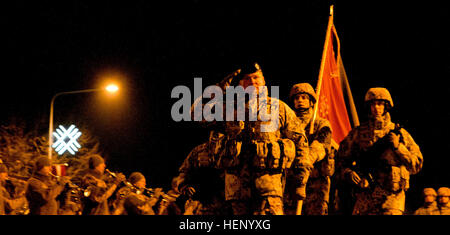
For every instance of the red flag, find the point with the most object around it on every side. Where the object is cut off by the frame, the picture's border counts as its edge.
(331, 104)
(59, 169)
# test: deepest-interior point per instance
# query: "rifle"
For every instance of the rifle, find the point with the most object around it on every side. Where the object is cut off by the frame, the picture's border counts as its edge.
(369, 160)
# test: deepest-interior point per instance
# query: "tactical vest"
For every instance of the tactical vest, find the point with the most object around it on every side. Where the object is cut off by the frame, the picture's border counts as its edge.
(264, 155)
(391, 174)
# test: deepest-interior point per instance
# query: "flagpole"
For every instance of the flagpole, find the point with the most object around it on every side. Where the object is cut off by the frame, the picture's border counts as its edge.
(322, 67)
(319, 84)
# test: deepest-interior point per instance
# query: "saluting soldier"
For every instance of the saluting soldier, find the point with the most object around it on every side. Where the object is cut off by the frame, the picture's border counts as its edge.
(259, 150)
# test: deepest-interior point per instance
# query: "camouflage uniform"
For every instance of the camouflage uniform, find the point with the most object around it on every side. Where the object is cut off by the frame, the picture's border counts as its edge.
(429, 208)
(318, 186)
(200, 172)
(255, 160)
(444, 207)
(364, 152)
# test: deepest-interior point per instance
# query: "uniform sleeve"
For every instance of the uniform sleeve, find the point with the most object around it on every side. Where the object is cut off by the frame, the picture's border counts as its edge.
(11, 204)
(198, 107)
(187, 164)
(187, 167)
(98, 193)
(136, 205)
(345, 154)
(321, 143)
(38, 193)
(290, 125)
(410, 153)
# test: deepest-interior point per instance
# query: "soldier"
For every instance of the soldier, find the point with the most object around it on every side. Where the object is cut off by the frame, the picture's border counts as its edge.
(378, 157)
(43, 189)
(200, 179)
(443, 200)
(137, 200)
(303, 98)
(255, 158)
(99, 192)
(11, 201)
(430, 206)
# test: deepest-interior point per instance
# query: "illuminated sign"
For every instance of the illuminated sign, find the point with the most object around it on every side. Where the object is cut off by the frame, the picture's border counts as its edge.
(66, 140)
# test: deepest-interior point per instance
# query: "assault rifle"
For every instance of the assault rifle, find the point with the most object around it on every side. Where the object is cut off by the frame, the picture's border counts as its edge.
(369, 162)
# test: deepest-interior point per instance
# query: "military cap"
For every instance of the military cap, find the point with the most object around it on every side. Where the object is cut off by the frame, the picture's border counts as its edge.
(429, 192)
(303, 88)
(443, 192)
(379, 93)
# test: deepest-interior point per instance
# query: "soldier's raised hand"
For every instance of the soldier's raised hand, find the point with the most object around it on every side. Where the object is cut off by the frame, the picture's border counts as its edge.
(354, 178)
(228, 79)
(188, 191)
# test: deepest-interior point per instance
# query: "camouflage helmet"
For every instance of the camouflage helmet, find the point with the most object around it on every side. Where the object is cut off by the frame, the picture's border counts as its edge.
(303, 88)
(379, 93)
(429, 192)
(443, 192)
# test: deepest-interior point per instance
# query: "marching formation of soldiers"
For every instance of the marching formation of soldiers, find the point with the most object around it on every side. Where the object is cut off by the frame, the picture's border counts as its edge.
(292, 168)
(295, 170)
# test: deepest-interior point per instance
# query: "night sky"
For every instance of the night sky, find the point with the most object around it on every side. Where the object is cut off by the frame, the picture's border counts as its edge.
(149, 48)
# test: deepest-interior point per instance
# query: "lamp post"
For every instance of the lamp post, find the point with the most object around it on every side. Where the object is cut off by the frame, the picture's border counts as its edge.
(109, 88)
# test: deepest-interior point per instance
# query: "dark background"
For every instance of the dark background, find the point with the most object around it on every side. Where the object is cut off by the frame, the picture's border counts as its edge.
(49, 47)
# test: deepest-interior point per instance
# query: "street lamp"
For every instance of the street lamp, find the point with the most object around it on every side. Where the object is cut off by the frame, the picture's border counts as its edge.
(110, 88)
